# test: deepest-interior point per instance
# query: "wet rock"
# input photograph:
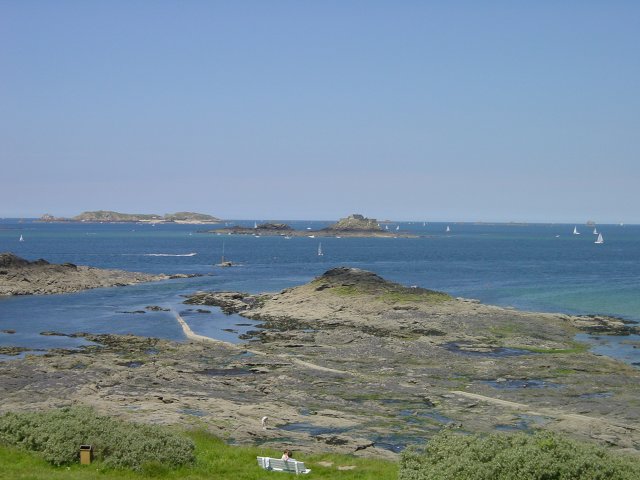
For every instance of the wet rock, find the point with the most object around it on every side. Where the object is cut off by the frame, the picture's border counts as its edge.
(13, 350)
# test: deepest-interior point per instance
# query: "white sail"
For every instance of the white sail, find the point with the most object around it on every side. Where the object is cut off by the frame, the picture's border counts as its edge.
(255, 224)
(320, 250)
(600, 239)
(575, 231)
(448, 229)
(21, 239)
(595, 231)
(397, 228)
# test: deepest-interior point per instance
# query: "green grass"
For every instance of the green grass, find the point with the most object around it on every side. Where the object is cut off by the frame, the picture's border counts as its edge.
(214, 460)
(346, 291)
(576, 348)
(506, 330)
(418, 296)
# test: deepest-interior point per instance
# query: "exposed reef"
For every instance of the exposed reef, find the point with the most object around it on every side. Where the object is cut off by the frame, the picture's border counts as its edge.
(22, 277)
(351, 363)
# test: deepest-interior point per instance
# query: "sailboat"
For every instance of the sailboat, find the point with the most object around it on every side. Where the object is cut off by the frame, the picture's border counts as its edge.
(224, 263)
(21, 239)
(255, 224)
(386, 227)
(599, 239)
(320, 254)
(575, 231)
(448, 229)
(397, 227)
(595, 231)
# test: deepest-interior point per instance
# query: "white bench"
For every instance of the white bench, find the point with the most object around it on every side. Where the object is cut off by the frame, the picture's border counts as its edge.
(278, 465)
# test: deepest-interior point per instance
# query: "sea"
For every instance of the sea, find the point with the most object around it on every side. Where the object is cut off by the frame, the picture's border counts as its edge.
(535, 267)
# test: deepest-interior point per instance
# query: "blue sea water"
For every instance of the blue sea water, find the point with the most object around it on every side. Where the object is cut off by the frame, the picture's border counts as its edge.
(534, 267)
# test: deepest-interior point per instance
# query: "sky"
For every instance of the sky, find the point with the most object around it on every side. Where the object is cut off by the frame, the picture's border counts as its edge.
(410, 110)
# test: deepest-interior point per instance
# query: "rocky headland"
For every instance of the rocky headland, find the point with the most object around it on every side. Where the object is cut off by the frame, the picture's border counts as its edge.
(350, 362)
(107, 216)
(22, 277)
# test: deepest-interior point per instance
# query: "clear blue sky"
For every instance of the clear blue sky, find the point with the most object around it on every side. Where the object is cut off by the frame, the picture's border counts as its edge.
(297, 109)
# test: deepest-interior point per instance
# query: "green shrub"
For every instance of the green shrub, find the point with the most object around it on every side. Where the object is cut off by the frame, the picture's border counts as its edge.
(542, 456)
(58, 434)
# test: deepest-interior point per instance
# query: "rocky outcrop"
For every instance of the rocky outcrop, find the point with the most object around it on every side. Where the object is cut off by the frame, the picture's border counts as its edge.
(348, 363)
(357, 223)
(266, 229)
(229, 302)
(274, 226)
(352, 226)
(22, 277)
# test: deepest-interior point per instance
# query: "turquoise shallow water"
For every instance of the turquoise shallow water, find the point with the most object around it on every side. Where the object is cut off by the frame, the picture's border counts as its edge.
(527, 267)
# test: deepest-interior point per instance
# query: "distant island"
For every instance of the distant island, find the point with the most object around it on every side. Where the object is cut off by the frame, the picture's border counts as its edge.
(355, 225)
(107, 216)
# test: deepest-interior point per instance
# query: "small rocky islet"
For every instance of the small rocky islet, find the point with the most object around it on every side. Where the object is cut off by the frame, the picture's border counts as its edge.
(355, 226)
(350, 362)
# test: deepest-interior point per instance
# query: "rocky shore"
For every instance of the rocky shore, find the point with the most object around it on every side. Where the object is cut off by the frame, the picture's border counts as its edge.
(22, 277)
(351, 363)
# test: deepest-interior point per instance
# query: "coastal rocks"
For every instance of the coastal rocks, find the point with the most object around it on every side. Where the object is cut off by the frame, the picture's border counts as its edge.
(13, 350)
(274, 226)
(229, 302)
(604, 325)
(266, 229)
(337, 368)
(19, 276)
(156, 308)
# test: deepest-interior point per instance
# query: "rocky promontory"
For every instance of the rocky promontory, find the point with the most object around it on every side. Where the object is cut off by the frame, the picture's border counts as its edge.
(22, 277)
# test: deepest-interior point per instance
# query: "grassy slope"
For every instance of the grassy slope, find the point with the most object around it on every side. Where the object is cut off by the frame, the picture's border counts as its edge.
(214, 459)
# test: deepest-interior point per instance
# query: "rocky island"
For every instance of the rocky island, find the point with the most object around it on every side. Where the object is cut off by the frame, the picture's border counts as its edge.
(350, 362)
(266, 229)
(22, 277)
(355, 225)
(107, 216)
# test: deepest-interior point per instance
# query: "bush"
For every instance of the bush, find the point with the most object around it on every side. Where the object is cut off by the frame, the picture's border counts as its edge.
(542, 456)
(58, 434)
